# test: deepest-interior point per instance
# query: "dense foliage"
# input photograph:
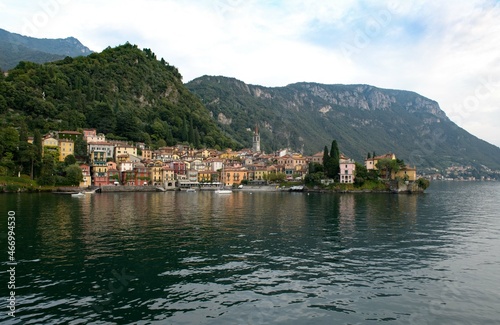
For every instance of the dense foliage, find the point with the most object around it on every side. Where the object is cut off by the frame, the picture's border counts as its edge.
(21, 157)
(123, 92)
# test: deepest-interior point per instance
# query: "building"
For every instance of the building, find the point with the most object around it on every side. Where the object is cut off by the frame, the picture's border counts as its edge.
(87, 179)
(50, 146)
(96, 138)
(347, 170)
(406, 173)
(124, 149)
(69, 135)
(156, 173)
(66, 148)
(208, 176)
(371, 163)
(88, 132)
(256, 140)
(317, 158)
(107, 147)
(234, 176)
(168, 177)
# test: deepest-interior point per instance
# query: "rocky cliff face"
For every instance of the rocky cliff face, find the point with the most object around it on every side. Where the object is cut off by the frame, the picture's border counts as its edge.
(362, 118)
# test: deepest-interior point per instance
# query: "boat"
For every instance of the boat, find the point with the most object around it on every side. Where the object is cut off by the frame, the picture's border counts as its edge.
(191, 190)
(297, 188)
(90, 191)
(79, 194)
(221, 189)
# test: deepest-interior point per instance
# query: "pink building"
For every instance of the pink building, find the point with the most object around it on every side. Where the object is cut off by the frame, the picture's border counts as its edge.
(347, 169)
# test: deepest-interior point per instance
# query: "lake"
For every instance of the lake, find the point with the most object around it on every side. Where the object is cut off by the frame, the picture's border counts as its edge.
(255, 257)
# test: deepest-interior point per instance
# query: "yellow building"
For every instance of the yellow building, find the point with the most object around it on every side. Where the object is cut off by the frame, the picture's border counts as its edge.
(125, 150)
(260, 174)
(168, 177)
(87, 180)
(50, 146)
(66, 148)
(146, 154)
(406, 173)
(156, 173)
(371, 163)
(207, 176)
(229, 154)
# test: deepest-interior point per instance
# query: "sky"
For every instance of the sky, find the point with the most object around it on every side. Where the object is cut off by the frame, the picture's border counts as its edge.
(448, 51)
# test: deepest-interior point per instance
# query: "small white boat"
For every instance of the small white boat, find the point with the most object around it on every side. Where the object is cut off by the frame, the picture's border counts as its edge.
(90, 191)
(79, 194)
(191, 190)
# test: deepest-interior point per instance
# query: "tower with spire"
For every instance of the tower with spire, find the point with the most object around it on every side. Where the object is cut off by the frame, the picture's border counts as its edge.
(256, 140)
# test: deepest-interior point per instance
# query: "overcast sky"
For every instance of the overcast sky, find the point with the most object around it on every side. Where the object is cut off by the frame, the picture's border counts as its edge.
(448, 51)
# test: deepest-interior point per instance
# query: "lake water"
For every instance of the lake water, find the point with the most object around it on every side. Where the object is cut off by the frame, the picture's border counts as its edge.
(256, 258)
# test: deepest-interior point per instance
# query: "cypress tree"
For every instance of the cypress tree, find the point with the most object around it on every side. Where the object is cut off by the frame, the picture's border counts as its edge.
(326, 160)
(335, 157)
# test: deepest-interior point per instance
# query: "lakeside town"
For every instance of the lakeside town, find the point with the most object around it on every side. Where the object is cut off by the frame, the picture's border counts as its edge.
(119, 163)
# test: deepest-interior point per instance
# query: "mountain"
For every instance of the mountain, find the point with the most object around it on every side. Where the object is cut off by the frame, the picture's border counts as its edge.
(124, 92)
(15, 48)
(362, 118)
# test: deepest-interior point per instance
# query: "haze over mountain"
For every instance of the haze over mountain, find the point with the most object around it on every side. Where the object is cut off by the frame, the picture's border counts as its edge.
(362, 118)
(15, 48)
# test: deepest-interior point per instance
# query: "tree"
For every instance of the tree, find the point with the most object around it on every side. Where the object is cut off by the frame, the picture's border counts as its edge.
(102, 118)
(74, 175)
(191, 131)
(326, 159)
(9, 140)
(368, 156)
(80, 148)
(361, 174)
(388, 166)
(69, 160)
(27, 157)
(8, 164)
(38, 147)
(47, 173)
(423, 183)
(335, 160)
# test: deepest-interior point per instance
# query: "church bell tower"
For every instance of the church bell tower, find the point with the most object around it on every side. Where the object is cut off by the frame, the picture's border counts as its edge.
(256, 140)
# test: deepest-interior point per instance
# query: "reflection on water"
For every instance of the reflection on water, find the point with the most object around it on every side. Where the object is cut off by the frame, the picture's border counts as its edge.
(258, 258)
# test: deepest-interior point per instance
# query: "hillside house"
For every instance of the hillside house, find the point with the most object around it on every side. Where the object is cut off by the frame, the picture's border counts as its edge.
(347, 170)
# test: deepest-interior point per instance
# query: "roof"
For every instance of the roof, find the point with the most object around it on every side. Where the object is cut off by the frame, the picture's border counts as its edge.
(69, 132)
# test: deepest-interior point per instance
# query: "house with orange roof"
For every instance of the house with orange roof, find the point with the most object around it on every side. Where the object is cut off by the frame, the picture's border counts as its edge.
(371, 163)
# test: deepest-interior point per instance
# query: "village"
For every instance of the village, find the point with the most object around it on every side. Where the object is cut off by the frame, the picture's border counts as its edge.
(119, 163)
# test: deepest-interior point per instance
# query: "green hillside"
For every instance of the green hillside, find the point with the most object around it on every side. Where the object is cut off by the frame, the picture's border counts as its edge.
(124, 92)
(362, 118)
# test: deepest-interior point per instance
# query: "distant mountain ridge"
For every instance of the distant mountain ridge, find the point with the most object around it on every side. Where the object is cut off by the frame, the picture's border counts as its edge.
(362, 118)
(15, 48)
